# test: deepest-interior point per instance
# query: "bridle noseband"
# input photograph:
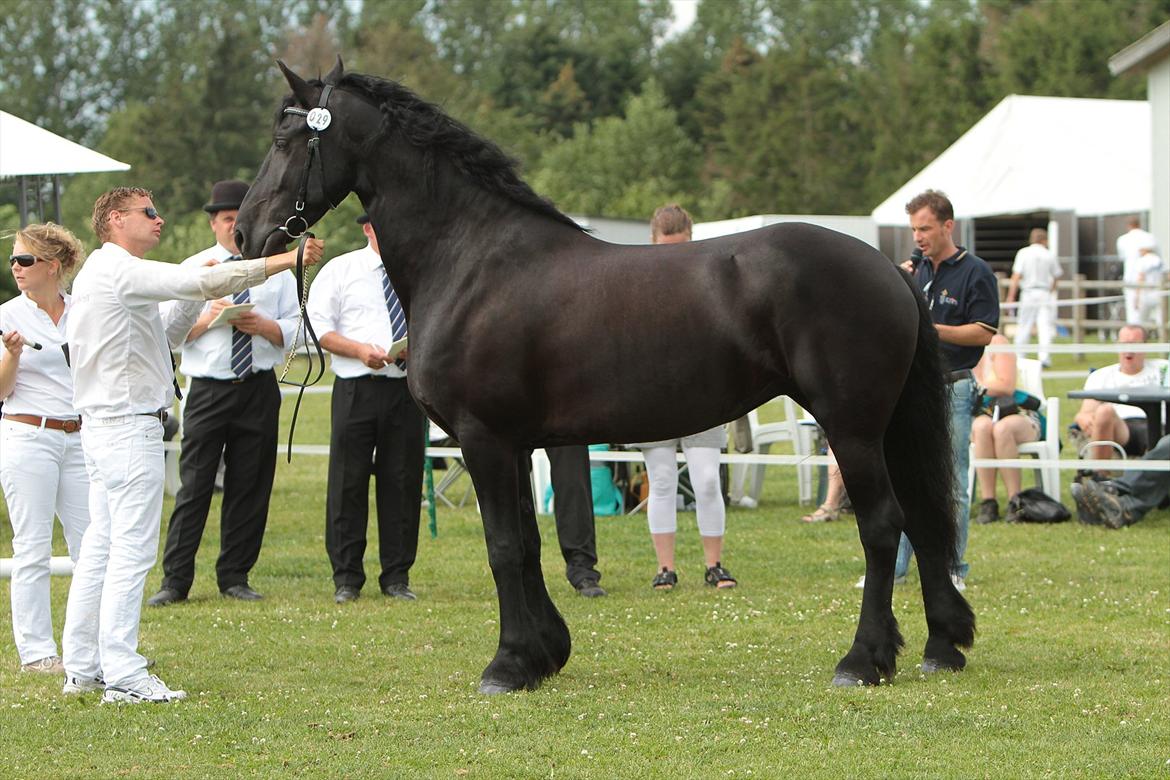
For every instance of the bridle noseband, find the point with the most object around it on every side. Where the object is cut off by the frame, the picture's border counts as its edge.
(317, 119)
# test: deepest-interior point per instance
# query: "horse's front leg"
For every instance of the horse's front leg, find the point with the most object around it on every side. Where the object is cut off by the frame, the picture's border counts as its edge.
(534, 641)
(877, 642)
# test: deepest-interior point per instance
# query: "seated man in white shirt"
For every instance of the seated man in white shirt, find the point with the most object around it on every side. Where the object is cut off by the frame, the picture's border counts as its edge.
(120, 350)
(1121, 423)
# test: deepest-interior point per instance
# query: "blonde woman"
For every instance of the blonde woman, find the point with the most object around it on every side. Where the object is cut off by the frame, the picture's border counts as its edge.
(42, 469)
(672, 225)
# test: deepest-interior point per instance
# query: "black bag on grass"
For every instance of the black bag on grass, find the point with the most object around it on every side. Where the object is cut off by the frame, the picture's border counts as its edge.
(1035, 506)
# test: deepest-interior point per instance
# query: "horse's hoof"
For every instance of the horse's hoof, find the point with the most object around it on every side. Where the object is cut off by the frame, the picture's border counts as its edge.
(492, 687)
(847, 680)
(932, 665)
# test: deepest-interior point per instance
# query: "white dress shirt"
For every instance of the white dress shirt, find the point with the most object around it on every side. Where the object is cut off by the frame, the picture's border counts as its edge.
(346, 298)
(210, 355)
(1129, 246)
(119, 344)
(44, 386)
(1037, 266)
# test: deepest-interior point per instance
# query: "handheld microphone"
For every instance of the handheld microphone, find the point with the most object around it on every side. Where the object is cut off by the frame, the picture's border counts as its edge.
(916, 257)
(26, 342)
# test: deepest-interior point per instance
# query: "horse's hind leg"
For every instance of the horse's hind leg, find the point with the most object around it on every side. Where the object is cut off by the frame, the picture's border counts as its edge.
(949, 619)
(534, 641)
(874, 653)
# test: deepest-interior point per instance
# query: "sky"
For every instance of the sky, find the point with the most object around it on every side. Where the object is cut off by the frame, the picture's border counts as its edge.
(684, 15)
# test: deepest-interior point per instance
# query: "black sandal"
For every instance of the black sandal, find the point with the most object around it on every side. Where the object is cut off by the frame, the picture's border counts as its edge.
(664, 580)
(719, 577)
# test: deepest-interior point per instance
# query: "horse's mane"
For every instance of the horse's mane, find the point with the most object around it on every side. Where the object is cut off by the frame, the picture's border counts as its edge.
(427, 127)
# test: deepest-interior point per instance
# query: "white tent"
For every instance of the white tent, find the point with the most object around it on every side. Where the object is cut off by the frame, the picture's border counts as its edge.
(1033, 154)
(27, 150)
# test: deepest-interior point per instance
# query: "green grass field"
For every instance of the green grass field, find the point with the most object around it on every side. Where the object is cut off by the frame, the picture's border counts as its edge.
(1068, 677)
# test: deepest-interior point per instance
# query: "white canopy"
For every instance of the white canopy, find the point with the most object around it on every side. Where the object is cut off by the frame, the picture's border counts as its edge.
(1034, 154)
(27, 150)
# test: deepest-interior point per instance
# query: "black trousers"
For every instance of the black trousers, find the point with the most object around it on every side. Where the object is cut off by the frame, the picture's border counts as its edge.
(573, 508)
(378, 430)
(238, 421)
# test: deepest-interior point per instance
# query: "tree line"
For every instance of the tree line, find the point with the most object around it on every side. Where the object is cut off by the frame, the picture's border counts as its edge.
(761, 106)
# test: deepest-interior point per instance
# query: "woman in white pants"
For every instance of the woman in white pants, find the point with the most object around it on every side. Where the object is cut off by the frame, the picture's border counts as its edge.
(672, 225)
(42, 469)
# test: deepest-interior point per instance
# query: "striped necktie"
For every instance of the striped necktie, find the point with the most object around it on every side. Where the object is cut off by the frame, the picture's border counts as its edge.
(394, 307)
(241, 342)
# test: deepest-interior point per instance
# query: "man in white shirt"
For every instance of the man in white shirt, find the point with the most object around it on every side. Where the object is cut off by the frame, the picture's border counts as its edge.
(1034, 276)
(1129, 246)
(123, 379)
(357, 317)
(232, 410)
(1121, 423)
(1151, 271)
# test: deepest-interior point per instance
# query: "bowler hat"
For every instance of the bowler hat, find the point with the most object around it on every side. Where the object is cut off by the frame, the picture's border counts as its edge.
(226, 195)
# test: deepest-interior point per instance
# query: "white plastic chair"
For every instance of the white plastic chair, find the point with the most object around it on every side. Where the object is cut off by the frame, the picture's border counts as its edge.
(799, 432)
(1029, 380)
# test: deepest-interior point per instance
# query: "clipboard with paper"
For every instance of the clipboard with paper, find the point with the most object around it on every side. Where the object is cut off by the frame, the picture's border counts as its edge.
(229, 313)
(396, 349)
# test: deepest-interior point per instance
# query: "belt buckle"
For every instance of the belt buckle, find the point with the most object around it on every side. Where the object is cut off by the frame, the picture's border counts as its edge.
(71, 426)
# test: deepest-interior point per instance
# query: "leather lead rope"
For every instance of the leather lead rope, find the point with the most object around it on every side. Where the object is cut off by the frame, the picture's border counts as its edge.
(304, 325)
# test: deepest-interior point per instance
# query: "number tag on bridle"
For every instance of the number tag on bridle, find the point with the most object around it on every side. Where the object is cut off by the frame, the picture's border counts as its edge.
(318, 119)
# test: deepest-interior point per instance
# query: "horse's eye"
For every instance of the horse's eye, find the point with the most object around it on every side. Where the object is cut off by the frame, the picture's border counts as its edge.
(280, 144)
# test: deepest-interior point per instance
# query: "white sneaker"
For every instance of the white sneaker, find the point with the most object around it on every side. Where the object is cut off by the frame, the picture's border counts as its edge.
(959, 584)
(151, 690)
(75, 686)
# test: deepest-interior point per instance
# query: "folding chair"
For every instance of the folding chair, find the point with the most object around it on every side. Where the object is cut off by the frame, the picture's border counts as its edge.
(799, 431)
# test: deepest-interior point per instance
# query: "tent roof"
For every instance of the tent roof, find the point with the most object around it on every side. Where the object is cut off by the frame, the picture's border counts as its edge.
(1033, 154)
(27, 150)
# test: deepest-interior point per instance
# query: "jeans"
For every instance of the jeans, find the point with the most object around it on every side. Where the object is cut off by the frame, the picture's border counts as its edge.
(961, 451)
(43, 472)
(124, 457)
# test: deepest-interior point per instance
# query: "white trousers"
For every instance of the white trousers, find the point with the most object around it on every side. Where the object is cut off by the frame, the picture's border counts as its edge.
(43, 473)
(662, 471)
(1036, 308)
(124, 457)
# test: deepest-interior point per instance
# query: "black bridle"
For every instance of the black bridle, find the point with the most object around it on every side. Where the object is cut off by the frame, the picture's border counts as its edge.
(317, 119)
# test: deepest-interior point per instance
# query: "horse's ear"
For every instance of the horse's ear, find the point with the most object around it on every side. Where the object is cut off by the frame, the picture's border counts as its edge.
(335, 75)
(300, 87)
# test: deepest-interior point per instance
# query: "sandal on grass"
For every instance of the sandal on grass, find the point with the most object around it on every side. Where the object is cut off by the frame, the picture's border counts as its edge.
(719, 577)
(823, 514)
(664, 580)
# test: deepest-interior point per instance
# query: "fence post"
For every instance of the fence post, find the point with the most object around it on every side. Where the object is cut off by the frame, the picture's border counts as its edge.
(1078, 312)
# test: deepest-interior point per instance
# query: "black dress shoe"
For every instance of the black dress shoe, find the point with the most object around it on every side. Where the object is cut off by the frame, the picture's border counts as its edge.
(346, 593)
(399, 590)
(165, 596)
(590, 589)
(241, 592)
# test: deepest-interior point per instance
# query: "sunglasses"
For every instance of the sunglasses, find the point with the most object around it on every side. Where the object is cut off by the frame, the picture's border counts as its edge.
(150, 211)
(26, 261)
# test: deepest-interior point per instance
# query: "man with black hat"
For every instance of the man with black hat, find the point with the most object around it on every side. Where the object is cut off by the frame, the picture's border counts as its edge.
(232, 411)
(377, 428)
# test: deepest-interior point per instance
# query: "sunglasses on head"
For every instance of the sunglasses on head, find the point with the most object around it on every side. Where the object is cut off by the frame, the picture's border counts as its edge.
(150, 211)
(25, 261)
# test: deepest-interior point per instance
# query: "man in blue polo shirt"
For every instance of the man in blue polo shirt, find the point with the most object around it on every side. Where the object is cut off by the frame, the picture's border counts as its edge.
(963, 298)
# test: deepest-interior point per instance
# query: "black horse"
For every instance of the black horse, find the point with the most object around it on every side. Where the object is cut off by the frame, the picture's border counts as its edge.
(527, 332)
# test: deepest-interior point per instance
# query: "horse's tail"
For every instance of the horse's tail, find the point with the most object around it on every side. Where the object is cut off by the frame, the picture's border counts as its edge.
(918, 445)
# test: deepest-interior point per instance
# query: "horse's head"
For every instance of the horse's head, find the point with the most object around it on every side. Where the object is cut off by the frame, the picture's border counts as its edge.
(309, 168)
